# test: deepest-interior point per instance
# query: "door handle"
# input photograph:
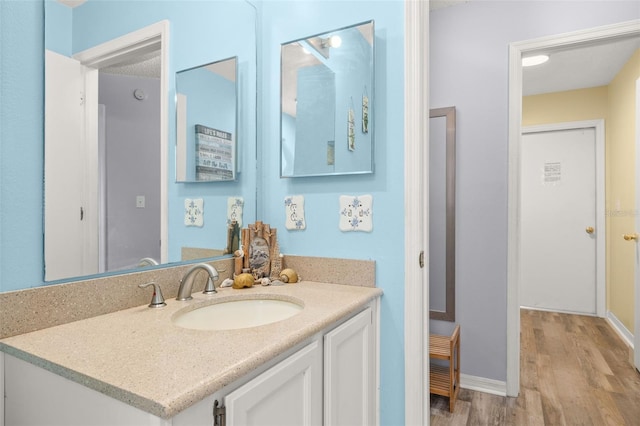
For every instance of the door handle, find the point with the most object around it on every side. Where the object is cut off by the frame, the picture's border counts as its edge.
(630, 237)
(589, 230)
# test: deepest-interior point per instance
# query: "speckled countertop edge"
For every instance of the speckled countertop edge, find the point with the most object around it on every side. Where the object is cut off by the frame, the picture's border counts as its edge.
(125, 353)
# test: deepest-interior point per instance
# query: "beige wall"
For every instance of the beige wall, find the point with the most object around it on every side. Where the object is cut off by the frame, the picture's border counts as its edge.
(561, 107)
(615, 104)
(621, 202)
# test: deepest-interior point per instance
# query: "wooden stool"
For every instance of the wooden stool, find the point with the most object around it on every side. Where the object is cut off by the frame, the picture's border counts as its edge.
(445, 381)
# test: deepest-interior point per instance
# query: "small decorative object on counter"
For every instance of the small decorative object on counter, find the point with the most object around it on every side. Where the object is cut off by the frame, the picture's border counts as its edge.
(265, 281)
(260, 247)
(289, 276)
(227, 282)
(238, 261)
(244, 280)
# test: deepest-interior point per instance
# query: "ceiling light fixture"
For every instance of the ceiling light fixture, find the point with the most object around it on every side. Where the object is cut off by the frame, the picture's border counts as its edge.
(531, 61)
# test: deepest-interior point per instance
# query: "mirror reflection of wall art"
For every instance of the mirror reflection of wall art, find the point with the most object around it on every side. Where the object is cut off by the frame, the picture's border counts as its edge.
(365, 111)
(206, 110)
(234, 210)
(356, 213)
(194, 212)
(351, 128)
(294, 212)
(324, 79)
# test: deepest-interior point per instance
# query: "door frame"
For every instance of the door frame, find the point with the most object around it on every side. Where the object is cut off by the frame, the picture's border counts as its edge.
(600, 225)
(516, 51)
(416, 198)
(636, 331)
(148, 39)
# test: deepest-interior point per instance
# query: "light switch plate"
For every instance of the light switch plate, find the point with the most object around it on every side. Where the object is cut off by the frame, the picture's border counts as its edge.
(140, 201)
(193, 212)
(235, 206)
(294, 212)
(356, 213)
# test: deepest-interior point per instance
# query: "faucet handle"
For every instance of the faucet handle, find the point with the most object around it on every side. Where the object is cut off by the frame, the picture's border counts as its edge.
(210, 288)
(157, 301)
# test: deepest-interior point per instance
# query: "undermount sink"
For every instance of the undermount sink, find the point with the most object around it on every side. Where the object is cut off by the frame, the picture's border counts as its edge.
(236, 314)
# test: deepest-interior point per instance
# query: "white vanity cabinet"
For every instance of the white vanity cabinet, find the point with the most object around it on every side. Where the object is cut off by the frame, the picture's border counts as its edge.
(288, 394)
(350, 372)
(295, 391)
(330, 380)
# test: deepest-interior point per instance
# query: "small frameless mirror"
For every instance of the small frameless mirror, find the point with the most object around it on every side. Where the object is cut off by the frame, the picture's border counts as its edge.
(206, 122)
(327, 103)
(442, 214)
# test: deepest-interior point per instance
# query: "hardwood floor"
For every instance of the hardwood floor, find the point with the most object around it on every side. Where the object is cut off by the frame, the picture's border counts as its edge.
(574, 370)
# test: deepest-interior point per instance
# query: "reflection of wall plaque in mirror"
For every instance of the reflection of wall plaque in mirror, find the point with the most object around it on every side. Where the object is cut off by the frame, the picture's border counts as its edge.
(324, 78)
(206, 111)
(442, 175)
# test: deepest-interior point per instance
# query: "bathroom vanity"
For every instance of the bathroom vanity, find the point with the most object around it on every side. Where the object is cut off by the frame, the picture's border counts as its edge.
(137, 367)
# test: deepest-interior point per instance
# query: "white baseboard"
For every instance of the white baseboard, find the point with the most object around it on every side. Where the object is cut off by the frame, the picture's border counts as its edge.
(619, 328)
(482, 384)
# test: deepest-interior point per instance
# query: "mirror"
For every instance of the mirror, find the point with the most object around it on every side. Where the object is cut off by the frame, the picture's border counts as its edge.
(206, 105)
(161, 233)
(442, 213)
(327, 103)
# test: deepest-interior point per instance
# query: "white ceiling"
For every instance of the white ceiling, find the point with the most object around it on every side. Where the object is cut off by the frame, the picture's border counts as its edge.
(579, 68)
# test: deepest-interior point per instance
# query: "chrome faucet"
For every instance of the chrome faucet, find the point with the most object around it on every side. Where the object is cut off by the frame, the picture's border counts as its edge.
(186, 283)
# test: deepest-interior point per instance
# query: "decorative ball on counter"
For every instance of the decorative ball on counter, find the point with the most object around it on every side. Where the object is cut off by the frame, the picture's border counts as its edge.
(244, 280)
(289, 276)
(265, 281)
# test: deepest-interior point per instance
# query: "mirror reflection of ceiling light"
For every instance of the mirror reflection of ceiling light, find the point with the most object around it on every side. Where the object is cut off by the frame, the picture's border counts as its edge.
(333, 41)
(531, 61)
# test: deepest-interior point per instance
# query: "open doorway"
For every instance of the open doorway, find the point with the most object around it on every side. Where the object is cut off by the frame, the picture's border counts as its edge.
(549, 45)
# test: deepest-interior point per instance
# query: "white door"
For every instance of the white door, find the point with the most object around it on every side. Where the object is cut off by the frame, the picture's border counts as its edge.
(288, 394)
(636, 331)
(558, 220)
(349, 373)
(65, 204)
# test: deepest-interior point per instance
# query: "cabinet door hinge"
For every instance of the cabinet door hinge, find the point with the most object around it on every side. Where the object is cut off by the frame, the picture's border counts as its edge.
(219, 414)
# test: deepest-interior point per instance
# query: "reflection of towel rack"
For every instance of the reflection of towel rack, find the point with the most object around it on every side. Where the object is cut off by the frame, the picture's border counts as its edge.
(445, 380)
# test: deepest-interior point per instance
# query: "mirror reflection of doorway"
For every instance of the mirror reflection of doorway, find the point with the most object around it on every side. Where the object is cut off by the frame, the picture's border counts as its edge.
(82, 221)
(129, 156)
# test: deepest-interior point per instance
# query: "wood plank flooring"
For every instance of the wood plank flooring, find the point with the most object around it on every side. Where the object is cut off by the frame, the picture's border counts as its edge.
(574, 370)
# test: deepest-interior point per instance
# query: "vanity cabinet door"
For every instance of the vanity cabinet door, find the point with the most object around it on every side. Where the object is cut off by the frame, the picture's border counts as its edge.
(349, 372)
(290, 393)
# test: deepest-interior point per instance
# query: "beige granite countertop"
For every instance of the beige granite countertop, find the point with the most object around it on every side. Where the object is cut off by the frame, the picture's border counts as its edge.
(139, 357)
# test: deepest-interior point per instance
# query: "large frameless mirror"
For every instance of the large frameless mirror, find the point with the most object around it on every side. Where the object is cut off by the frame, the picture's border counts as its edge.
(115, 195)
(442, 214)
(327, 103)
(206, 122)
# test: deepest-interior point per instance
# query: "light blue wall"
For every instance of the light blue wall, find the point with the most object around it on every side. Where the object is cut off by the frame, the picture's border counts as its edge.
(469, 69)
(58, 26)
(315, 119)
(21, 148)
(283, 21)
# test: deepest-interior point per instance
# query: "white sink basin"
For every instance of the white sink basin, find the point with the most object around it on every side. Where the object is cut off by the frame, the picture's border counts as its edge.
(236, 314)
